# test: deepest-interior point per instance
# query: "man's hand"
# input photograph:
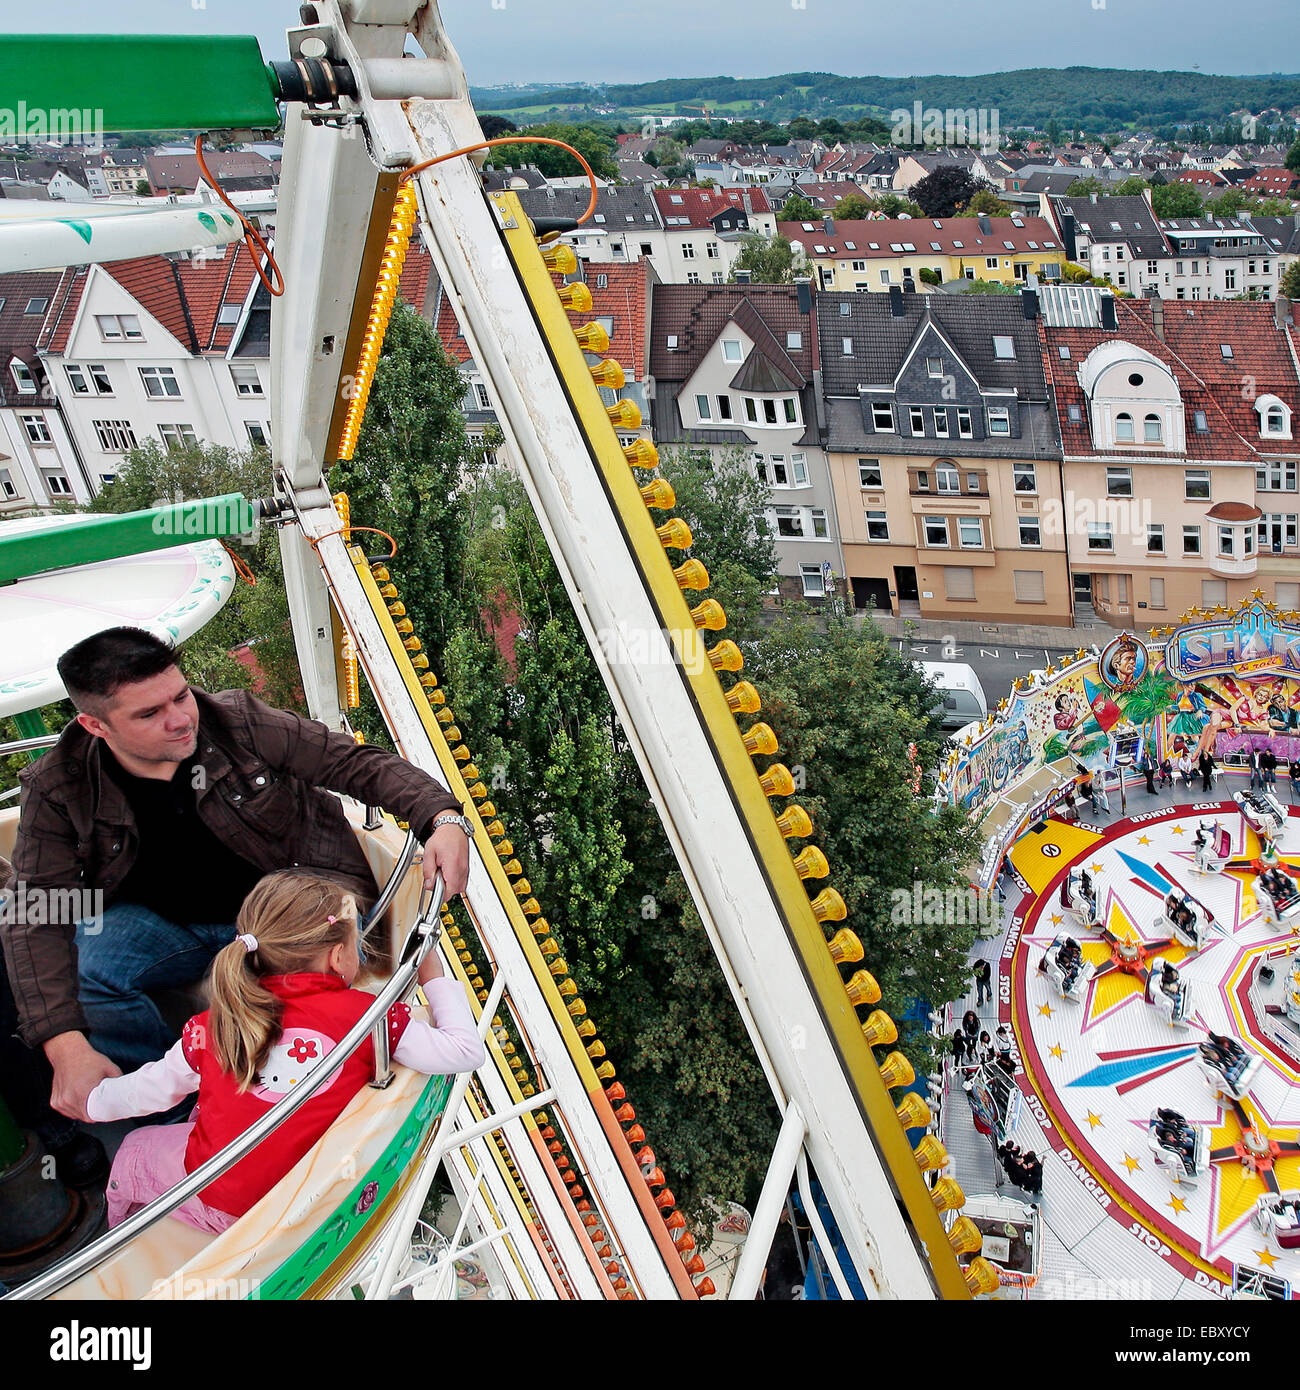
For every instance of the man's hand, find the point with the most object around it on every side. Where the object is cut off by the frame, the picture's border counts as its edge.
(446, 851)
(78, 1069)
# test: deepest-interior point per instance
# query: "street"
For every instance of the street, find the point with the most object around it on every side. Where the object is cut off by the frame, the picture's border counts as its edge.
(996, 665)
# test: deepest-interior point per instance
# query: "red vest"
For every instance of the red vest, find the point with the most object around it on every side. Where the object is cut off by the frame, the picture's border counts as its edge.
(319, 1010)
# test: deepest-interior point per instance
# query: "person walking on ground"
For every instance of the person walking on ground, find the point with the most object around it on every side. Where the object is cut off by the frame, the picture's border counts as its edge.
(1268, 767)
(1148, 770)
(1256, 771)
(1206, 764)
(958, 1047)
(983, 983)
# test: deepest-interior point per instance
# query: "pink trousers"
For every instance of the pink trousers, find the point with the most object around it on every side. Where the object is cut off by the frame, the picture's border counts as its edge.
(150, 1162)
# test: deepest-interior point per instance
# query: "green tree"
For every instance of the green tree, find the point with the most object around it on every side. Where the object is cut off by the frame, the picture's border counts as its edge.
(930, 277)
(946, 188)
(1085, 187)
(770, 260)
(1228, 203)
(987, 202)
(1292, 160)
(853, 207)
(596, 146)
(797, 208)
(1289, 288)
(496, 126)
(894, 205)
(1176, 200)
(1134, 184)
(142, 188)
(988, 287)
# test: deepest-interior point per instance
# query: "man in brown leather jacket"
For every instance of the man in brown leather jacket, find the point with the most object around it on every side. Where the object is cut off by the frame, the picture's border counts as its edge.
(162, 806)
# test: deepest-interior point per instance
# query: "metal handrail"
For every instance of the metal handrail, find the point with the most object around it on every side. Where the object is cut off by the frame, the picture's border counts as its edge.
(389, 891)
(28, 745)
(420, 941)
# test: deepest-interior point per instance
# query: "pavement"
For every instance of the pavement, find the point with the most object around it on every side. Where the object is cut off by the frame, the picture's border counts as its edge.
(936, 630)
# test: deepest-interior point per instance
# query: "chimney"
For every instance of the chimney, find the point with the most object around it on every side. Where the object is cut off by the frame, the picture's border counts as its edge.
(1109, 320)
(1158, 317)
(1092, 197)
(828, 226)
(986, 227)
(743, 277)
(803, 293)
(1282, 311)
(896, 301)
(1029, 303)
(1068, 225)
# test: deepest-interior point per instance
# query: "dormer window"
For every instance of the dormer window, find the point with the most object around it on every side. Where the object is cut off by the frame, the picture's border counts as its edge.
(22, 376)
(1124, 427)
(1274, 417)
(1151, 430)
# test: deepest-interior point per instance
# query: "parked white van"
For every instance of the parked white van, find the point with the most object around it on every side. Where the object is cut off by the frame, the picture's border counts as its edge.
(960, 690)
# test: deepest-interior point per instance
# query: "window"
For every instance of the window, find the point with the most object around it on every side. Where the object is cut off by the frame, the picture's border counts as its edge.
(247, 382)
(256, 434)
(798, 470)
(791, 414)
(934, 366)
(788, 523)
(916, 418)
(999, 420)
(1099, 536)
(481, 396)
(1213, 591)
(1020, 269)
(959, 583)
(963, 422)
(22, 375)
(1003, 347)
(1155, 538)
(7, 489)
(990, 262)
(702, 408)
(717, 278)
(941, 422)
(1031, 533)
(970, 532)
(1196, 484)
(794, 340)
(38, 432)
(936, 530)
(922, 482)
(1278, 530)
(946, 478)
(177, 436)
(1024, 477)
(1157, 593)
(1191, 540)
(1225, 540)
(877, 526)
(692, 277)
(160, 381)
(1199, 422)
(1124, 427)
(869, 473)
(1151, 429)
(814, 586)
(1152, 268)
(1229, 279)
(731, 350)
(882, 415)
(647, 249)
(780, 474)
(1224, 348)
(1119, 482)
(846, 347)
(1276, 475)
(228, 315)
(1029, 586)
(57, 483)
(115, 436)
(115, 327)
(769, 412)
(688, 251)
(36, 306)
(1274, 420)
(724, 407)
(711, 250)
(751, 410)
(820, 528)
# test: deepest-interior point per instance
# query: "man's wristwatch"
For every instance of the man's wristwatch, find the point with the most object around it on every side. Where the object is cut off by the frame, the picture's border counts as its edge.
(450, 818)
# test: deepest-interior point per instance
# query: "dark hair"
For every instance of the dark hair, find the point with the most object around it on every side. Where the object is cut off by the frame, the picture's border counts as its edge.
(98, 666)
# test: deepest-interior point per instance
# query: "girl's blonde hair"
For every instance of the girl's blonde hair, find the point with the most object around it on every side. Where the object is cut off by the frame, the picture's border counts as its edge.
(295, 917)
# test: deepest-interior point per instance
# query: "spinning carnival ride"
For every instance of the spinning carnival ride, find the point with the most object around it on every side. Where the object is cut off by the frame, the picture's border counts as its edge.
(560, 1194)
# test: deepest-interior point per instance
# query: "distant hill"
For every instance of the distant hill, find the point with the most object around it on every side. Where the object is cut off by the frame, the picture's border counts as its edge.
(1094, 98)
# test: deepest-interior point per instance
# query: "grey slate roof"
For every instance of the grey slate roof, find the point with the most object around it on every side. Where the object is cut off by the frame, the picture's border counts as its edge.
(1138, 227)
(615, 203)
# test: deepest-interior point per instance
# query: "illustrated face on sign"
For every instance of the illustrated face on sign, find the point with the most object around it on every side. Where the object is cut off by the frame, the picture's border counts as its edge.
(290, 1061)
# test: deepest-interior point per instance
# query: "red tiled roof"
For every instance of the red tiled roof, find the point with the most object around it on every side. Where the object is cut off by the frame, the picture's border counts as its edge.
(1202, 178)
(1233, 511)
(416, 272)
(624, 297)
(1207, 380)
(701, 205)
(697, 314)
(921, 233)
(827, 194)
(448, 329)
(210, 284)
(63, 312)
(1276, 181)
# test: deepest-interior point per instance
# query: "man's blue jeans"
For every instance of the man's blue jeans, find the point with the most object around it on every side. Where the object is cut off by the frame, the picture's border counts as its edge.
(122, 956)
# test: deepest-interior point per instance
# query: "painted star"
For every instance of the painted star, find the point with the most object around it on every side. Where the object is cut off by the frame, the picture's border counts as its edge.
(1131, 1163)
(1045, 1010)
(1058, 1052)
(1096, 868)
(1144, 839)
(1266, 1257)
(1176, 1204)
(1057, 919)
(1257, 593)
(1093, 1120)
(1179, 830)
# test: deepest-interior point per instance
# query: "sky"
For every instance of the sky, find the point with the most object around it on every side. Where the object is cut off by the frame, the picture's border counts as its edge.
(634, 41)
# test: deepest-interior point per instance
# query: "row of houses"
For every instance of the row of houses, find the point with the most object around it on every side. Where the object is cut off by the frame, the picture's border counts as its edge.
(1016, 456)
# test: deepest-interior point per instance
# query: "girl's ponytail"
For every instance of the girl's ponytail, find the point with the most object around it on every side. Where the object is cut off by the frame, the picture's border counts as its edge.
(292, 918)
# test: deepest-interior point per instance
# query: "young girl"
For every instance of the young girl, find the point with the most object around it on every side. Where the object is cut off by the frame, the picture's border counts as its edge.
(281, 1001)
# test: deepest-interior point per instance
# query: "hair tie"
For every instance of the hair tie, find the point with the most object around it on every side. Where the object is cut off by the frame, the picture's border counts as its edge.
(248, 941)
(331, 919)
